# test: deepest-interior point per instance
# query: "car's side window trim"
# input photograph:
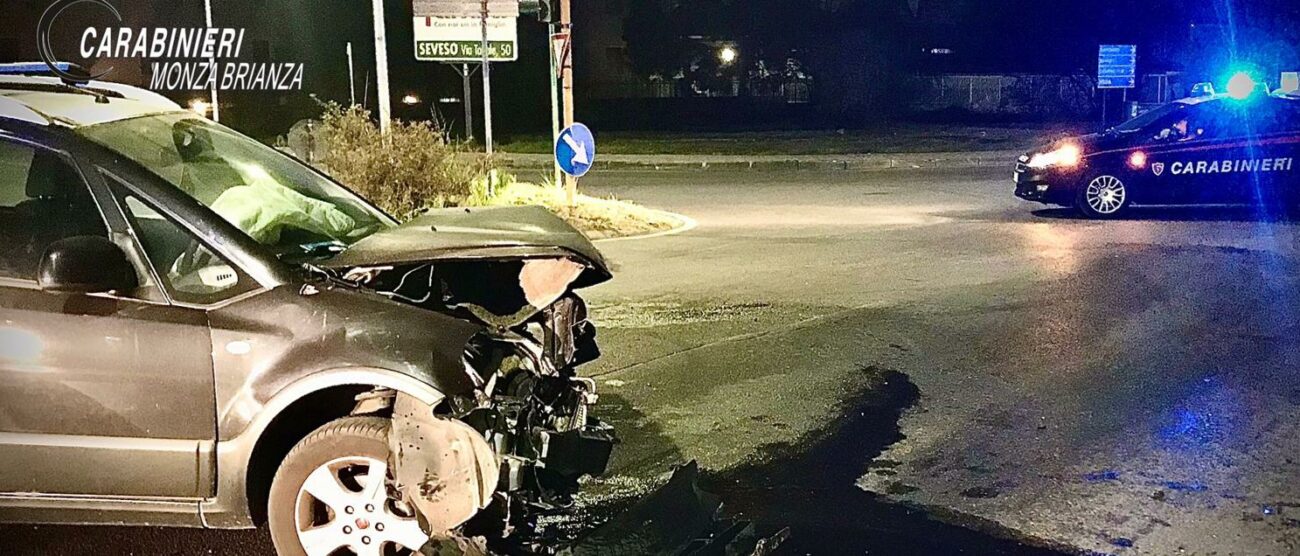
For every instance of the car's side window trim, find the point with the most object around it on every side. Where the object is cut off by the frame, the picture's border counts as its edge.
(71, 161)
(121, 188)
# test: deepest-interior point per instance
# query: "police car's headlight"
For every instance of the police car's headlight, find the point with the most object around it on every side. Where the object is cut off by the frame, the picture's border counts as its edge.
(1066, 156)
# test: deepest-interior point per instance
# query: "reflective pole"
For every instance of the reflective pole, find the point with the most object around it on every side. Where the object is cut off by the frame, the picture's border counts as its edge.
(352, 79)
(216, 107)
(381, 68)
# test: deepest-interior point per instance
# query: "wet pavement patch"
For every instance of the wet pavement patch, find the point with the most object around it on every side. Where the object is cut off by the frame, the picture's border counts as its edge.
(810, 488)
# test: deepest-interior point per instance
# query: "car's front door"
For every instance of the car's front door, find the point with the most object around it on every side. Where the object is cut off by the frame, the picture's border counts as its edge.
(100, 395)
(1195, 160)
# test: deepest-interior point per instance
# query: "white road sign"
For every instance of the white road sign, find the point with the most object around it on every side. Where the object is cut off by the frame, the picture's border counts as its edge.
(460, 39)
(464, 8)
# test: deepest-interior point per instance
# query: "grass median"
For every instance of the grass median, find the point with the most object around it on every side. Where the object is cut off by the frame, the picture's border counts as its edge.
(597, 217)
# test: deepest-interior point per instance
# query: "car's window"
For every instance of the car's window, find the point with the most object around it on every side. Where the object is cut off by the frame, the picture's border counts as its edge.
(274, 199)
(43, 199)
(192, 272)
(1153, 120)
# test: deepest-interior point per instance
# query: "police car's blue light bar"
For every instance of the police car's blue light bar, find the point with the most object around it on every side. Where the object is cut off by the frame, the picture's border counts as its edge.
(1241, 86)
(32, 68)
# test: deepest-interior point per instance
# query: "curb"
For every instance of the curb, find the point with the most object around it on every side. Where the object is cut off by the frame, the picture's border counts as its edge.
(850, 163)
(687, 224)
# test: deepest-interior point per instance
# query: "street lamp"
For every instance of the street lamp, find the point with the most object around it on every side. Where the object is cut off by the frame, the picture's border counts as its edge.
(410, 100)
(200, 107)
(728, 55)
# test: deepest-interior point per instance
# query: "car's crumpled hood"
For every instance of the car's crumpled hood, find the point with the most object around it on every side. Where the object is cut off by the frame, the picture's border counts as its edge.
(478, 234)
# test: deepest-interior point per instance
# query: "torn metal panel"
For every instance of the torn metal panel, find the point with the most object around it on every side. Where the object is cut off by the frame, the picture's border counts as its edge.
(478, 234)
(442, 467)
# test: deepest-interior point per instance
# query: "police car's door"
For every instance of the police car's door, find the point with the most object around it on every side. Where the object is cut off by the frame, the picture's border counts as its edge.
(1199, 166)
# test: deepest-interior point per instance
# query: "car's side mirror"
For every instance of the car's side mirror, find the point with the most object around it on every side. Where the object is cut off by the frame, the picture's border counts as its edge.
(85, 264)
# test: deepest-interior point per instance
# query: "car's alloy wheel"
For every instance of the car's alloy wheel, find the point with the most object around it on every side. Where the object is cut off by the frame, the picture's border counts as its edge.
(330, 496)
(344, 506)
(1104, 196)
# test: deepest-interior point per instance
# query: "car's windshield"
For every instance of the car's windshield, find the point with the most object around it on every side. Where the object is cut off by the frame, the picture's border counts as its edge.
(274, 199)
(1150, 118)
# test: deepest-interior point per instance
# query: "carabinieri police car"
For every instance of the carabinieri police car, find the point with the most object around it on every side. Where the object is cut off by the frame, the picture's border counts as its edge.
(1218, 149)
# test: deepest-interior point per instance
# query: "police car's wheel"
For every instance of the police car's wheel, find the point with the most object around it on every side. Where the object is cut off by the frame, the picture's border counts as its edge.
(1103, 197)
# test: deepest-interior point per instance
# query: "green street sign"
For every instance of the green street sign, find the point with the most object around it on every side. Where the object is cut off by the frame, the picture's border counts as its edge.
(454, 51)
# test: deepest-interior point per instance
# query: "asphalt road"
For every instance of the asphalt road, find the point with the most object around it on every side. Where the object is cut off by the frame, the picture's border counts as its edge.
(916, 362)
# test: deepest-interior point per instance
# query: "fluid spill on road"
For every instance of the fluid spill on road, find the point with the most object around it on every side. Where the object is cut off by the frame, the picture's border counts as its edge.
(810, 488)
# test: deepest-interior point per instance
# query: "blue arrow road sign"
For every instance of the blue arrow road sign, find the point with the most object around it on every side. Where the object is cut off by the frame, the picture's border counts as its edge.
(575, 150)
(1117, 66)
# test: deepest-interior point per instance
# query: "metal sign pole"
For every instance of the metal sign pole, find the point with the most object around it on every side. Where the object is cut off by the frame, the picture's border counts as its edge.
(555, 104)
(468, 96)
(487, 86)
(1104, 95)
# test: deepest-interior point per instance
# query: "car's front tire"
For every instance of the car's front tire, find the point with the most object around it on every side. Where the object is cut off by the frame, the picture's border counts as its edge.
(1102, 196)
(330, 496)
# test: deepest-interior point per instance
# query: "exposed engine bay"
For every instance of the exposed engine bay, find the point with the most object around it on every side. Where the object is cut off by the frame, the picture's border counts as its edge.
(516, 448)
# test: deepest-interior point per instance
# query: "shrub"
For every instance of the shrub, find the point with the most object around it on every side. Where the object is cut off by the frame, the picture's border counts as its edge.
(414, 168)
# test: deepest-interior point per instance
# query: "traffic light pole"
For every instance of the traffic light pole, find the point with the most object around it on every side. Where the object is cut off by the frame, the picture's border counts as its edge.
(566, 26)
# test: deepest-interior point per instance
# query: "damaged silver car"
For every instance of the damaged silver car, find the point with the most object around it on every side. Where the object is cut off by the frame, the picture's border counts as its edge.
(197, 330)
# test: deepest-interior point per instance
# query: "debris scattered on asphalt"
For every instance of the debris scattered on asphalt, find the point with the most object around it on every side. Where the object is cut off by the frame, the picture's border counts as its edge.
(1103, 475)
(679, 518)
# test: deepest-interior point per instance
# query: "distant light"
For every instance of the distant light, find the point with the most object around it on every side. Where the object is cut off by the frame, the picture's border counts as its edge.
(200, 107)
(1241, 86)
(728, 55)
(410, 100)
(1137, 160)
(449, 100)
(940, 51)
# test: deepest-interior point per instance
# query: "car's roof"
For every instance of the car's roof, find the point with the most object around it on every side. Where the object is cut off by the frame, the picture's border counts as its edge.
(48, 101)
(1277, 97)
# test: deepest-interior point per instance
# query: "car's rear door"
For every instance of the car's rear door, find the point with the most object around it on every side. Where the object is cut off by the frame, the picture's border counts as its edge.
(100, 395)
(1273, 177)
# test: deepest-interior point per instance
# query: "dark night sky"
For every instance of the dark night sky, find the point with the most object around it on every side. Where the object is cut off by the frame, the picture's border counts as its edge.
(988, 35)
